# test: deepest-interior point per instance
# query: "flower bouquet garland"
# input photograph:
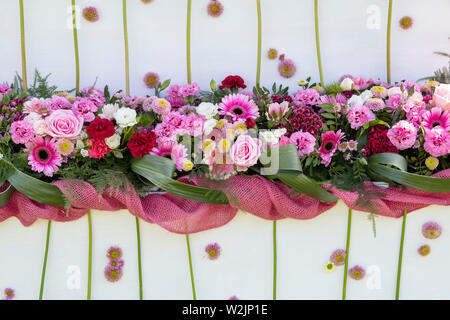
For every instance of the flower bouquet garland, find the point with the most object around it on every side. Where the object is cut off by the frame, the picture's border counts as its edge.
(265, 151)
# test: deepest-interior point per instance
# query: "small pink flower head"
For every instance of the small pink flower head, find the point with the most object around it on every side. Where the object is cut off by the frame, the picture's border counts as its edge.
(85, 108)
(338, 257)
(161, 106)
(437, 142)
(287, 68)
(215, 8)
(147, 105)
(402, 135)
(359, 116)
(272, 54)
(213, 250)
(116, 264)
(146, 1)
(233, 298)
(307, 97)
(9, 294)
(357, 272)
(276, 111)
(361, 83)
(441, 96)
(112, 274)
(91, 14)
(352, 145)
(406, 22)
(189, 90)
(330, 142)
(43, 156)
(375, 104)
(151, 80)
(114, 253)
(431, 230)
(64, 147)
(58, 102)
(424, 250)
(21, 132)
(304, 141)
(179, 155)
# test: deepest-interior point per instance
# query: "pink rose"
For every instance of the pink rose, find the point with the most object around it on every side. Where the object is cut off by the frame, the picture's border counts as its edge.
(441, 97)
(64, 124)
(245, 152)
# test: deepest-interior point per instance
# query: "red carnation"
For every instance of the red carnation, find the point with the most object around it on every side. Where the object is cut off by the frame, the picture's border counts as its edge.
(141, 143)
(98, 148)
(378, 141)
(100, 129)
(233, 82)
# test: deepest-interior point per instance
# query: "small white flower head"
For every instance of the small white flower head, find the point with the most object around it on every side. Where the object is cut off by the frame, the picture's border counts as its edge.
(366, 95)
(207, 109)
(79, 144)
(209, 125)
(278, 133)
(268, 137)
(125, 117)
(109, 110)
(394, 90)
(347, 84)
(1, 156)
(84, 153)
(113, 142)
(355, 101)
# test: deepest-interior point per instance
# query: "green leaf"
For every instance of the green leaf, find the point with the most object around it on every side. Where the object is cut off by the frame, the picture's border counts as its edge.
(374, 123)
(159, 171)
(6, 195)
(378, 165)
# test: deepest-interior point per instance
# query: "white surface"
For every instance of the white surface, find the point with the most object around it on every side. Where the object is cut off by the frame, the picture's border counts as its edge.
(223, 46)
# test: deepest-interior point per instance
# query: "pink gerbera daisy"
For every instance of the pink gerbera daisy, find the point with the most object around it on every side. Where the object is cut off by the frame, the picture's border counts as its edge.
(431, 230)
(151, 80)
(437, 142)
(43, 156)
(286, 67)
(357, 272)
(91, 14)
(215, 8)
(435, 117)
(164, 149)
(238, 107)
(213, 251)
(330, 142)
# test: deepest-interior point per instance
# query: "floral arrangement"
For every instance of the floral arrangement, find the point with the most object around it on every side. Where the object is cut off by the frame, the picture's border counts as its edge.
(193, 143)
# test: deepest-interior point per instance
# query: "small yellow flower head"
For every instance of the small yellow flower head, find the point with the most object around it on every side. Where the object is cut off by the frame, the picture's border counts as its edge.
(432, 163)
(330, 266)
(221, 123)
(379, 92)
(319, 89)
(224, 145)
(424, 250)
(63, 94)
(188, 165)
(208, 146)
(272, 54)
(432, 83)
(303, 83)
(240, 128)
(70, 98)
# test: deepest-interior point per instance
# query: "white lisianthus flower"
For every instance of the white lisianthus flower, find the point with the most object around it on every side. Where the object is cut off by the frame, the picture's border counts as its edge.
(347, 84)
(207, 109)
(366, 95)
(355, 101)
(209, 125)
(268, 137)
(109, 110)
(125, 117)
(113, 142)
(278, 133)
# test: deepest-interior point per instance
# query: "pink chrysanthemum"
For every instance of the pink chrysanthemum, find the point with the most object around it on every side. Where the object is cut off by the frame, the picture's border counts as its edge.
(64, 147)
(91, 14)
(406, 22)
(9, 293)
(213, 251)
(287, 68)
(352, 145)
(424, 250)
(113, 275)
(330, 141)
(357, 272)
(375, 104)
(151, 80)
(215, 8)
(338, 257)
(437, 142)
(238, 107)
(431, 230)
(21, 132)
(304, 141)
(343, 146)
(43, 156)
(272, 54)
(435, 117)
(359, 116)
(402, 135)
(116, 264)
(114, 253)
(233, 298)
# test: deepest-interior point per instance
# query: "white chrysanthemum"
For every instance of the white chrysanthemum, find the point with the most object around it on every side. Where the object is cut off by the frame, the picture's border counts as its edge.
(125, 117)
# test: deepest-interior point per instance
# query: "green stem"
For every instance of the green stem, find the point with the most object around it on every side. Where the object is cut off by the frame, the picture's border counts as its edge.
(127, 57)
(347, 254)
(400, 257)
(22, 45)
(258, 66)
(75, 42)
(274, 260)
(316, 23)
(44, 266)
(188, 41)
(138, 233)
(190, 268)
(388, 51)
(89, 287)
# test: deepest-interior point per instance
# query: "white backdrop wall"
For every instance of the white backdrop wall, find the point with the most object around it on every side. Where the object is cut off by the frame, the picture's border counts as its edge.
(227, 45)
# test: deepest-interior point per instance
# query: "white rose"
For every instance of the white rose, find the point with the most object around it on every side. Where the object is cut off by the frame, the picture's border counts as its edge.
(207, 109)
(394, 90)
(366, 95)
(113, 142)
(125, 117)
(209, 125)
(109, 110)
(355, 101)
(347, 84)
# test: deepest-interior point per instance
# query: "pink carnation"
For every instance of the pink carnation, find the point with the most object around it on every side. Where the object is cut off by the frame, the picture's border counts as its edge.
(58, 102)
(84, 108)
(359, 116)
(437, 142)
(193, 124)
(307, 97)
(173, 95)
(304, 141)
(402, 135)
(361, 83)
(21, 131)
(189, 90)
(394, 101)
